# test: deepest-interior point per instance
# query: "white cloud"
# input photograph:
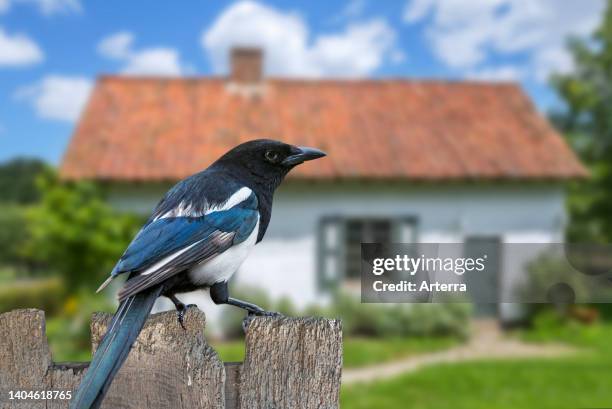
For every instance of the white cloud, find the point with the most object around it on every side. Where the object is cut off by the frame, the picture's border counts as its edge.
(466, 34)
(556, 59)
(147, 61)
(56, 6)
(501, 73)
(57, 97)
(116, 46)
(417, 9)
(154, 61)
(18, 50)
(357, 51)
(352, 10)
(47, 7)
(4, 6)
(398, 56)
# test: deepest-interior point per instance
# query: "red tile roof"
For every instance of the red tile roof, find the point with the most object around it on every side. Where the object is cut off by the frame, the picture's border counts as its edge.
(152, 129)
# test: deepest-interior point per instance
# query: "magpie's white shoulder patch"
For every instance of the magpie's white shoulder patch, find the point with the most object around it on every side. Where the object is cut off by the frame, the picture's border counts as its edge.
(182, 210)
(188, 210)
(241, 195)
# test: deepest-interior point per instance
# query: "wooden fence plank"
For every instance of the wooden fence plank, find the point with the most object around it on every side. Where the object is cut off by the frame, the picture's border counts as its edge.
(290, 363)
(168, 367)
(24, 355)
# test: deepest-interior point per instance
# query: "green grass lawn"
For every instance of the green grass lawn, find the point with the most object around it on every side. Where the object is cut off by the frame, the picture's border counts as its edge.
(528, 384)
(358, 351)
(7, 274)
(229, 351)
(582, 381)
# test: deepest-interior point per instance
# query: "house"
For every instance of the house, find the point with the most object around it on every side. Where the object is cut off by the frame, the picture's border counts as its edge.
(415, 161)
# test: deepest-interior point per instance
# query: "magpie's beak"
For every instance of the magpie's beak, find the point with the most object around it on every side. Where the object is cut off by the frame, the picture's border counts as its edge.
(301, 155)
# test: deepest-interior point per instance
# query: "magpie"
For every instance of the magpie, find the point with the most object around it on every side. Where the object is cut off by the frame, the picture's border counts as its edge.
(197, 237)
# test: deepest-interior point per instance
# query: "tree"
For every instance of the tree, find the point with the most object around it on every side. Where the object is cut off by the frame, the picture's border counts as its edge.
(17, 189)
(13, 236)
(586, 120)
(76, 234)
(18, 180)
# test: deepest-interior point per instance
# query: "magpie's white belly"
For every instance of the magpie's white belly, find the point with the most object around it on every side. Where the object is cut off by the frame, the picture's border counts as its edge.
(223, 266)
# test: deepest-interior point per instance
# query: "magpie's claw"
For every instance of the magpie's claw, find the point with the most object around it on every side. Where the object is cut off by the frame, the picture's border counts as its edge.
(268, 314)
(251, 315)
(181, 309)
(181, 318)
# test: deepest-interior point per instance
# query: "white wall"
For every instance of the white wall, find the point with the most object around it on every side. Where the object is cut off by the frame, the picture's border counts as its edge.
(285, 262)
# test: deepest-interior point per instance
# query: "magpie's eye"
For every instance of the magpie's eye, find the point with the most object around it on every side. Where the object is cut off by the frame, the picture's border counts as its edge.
(271, 156)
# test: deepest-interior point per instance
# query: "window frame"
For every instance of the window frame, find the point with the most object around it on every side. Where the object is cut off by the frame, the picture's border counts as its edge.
(325, 282)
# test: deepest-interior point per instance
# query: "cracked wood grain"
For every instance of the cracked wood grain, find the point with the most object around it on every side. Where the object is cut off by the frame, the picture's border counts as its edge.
(290, 363)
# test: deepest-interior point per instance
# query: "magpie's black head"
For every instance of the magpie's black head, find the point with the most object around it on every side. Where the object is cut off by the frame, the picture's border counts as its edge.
(266, 161)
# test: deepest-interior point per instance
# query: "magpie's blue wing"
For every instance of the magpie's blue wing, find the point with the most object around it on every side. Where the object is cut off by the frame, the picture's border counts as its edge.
(169, 245)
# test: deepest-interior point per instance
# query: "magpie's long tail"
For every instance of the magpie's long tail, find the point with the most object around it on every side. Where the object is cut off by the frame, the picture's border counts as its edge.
(114, 348)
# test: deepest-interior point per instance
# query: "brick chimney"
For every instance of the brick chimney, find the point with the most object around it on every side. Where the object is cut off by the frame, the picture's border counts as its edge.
(246, 65)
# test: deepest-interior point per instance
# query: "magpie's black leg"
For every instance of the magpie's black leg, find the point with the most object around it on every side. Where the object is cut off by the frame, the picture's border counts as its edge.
(180, 309)
(247, 306)
(220, 295)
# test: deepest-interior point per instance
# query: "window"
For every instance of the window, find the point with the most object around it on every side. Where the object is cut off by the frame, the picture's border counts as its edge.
(340, 244)
(362, 231)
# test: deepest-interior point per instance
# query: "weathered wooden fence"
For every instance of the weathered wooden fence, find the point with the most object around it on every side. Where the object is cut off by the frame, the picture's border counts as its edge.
(289, 363)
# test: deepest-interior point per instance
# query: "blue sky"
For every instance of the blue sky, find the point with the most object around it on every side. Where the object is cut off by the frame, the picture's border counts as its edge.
(52, 50)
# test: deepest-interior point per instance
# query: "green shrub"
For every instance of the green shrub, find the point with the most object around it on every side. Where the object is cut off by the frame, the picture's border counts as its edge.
(74, 232)
(357, 318)
(13, 235)
(383, 320)
(285, 306)
(68, 331)
(45, 294)
(605, 310)
(548, 321)
(364, 320)
(18, 180)
(68, 341)
(542, 273)
(552, 326)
